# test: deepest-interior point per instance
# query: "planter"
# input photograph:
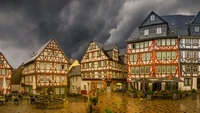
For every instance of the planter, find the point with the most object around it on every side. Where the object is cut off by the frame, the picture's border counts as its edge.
(176, 96)
(193, 95)
(133, 95)
(149, 97)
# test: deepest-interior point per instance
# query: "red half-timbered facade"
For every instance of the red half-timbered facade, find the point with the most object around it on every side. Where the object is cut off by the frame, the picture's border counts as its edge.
(48, 66)
(101, 66)
(5, 75)
(153, 49)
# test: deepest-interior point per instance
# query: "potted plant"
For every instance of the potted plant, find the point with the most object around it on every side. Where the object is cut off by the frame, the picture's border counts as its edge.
(133, 93)
(193, 94)
(94, 100)
(149, 94)
(176, 94)
(108, 110)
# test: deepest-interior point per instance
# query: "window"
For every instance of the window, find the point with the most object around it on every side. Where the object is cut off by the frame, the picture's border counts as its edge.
(62, 90)
(196, 29)
(143, 56)
(163, 42)
(168, 55)
(141, 45)
(47, 78)
(146, 44)
(104, 63)
(132, 70)
(148, 56)
(173, 55)
(84, 87)
(187, 55)
(152, 17)
(195, 41)
(188, 69)
(158, 69)
(99, 53)
(163, 55)
(136, 70)
(57, 90)
(133, 46)
(168, 42)
(168, 69)
(163, 69)
(147, 69)
(187, 81)
(159, 30)
(49, 53)
(187, 41)
(41, 78)
(137, 46)
(158, 42)
(99, 64)
(57, 79)
(135, 57)
(63, 66)
(158, 54)
(142, 70)
(92, 64)
(146, 32)
(195, 54)
(86, 55)
(173, 69)
(195, 69)
(131, 58)
(173, 41)
(76, 78)
(1, 62)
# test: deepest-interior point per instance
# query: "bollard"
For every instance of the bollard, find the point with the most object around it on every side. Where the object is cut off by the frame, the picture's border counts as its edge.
(90, 108)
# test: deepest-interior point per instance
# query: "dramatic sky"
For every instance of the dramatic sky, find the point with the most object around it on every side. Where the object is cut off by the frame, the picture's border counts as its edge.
(27, 24)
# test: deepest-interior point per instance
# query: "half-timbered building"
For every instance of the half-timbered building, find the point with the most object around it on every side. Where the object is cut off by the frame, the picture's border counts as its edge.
(152, 49)
(48, 67)
(5, 75)
(101, 67)
(190, 54)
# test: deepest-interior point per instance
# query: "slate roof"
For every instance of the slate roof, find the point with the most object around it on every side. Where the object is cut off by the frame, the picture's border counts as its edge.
(122, 52)
(75, 71)
(178, 25)
(109, 47)
(196, 19)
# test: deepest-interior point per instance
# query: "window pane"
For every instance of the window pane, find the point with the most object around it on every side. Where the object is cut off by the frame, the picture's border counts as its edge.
(163, 42)
(135, 57)
(173, 55)
(168, 55)
(158, 54)
(163, 55)
(131, 57)
(173, 41)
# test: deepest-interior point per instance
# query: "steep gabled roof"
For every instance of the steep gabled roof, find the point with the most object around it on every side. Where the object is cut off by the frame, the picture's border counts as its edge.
(134, 35)
(75, 71)
(38, 52)
(1, 54)
(122, 52)
(159, 20)
(196, 19)
(109, 47)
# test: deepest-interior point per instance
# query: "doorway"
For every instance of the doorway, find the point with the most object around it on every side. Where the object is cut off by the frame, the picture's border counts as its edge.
(108, 87)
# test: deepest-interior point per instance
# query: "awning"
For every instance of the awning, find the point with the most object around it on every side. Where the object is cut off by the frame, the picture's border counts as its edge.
(119, 84)
(169, 78)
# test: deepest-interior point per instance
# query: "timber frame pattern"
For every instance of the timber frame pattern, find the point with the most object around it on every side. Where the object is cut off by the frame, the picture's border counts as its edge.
(47, 66)
(101, 63)
(5, 74)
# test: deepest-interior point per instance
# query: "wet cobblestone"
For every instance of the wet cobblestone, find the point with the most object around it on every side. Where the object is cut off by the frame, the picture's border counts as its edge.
(116, 102)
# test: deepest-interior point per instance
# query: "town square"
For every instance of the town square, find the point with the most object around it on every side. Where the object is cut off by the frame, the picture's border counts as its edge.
(103, 56)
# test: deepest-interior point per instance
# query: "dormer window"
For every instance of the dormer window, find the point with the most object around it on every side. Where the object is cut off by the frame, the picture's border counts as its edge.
(152, 17)
(146, 32)
(159, 30)
(196, 29)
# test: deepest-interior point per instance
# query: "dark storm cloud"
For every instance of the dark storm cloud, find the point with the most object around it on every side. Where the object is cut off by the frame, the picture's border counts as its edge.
(27, 24)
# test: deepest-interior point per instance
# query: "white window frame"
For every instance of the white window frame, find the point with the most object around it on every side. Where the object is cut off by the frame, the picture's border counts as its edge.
(147, 70)
(148, 56)
(173, 55)
(168, 55)
(146, 32)
(173, 42)
(158, 54)
(131, 58)
(173, 69)
(158, 69)
(159, 30)
(163, 55)
(135, 57)
(152, 17)
(196, 29)
(142, 71)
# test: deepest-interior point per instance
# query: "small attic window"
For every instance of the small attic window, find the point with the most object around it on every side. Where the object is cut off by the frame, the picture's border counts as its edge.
(196, 29)
(186, 24)
(172, 23)
(172, 32)
(152, 17)
(1, 62)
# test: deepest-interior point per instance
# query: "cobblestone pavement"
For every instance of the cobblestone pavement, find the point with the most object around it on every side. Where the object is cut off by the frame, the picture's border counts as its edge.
(116, 102)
